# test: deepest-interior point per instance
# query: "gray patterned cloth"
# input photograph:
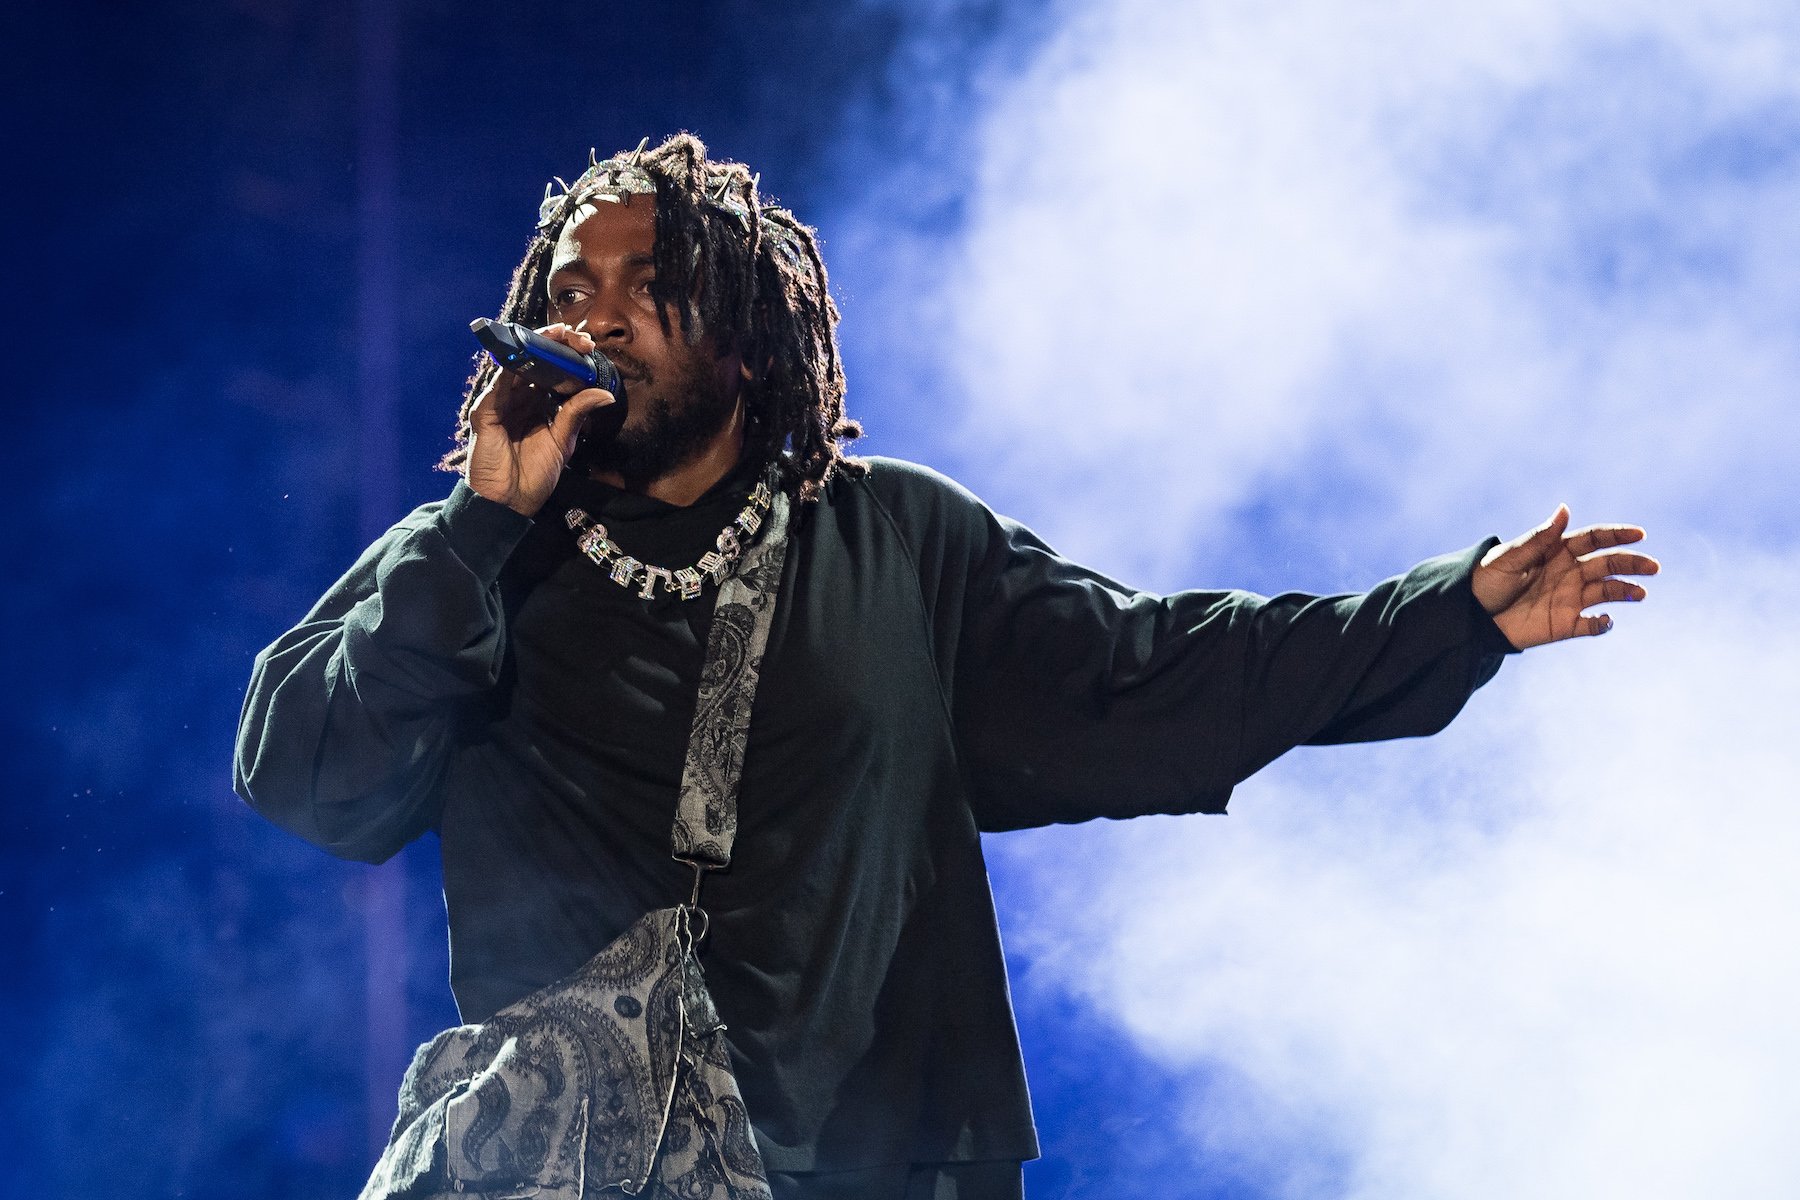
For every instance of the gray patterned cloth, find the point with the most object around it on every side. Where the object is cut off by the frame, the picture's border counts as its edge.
(706, 813)
(615, 1078)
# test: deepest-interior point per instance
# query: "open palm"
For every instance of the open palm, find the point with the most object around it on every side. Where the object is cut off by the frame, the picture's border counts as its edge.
(1537, 586)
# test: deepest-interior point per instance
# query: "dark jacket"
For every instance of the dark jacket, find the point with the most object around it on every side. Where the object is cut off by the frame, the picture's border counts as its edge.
(934, 671)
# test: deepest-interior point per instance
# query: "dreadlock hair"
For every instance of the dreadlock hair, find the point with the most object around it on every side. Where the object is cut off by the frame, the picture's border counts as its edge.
(761, 289)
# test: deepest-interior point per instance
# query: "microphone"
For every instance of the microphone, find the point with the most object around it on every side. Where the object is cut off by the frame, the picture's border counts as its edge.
(553, 367)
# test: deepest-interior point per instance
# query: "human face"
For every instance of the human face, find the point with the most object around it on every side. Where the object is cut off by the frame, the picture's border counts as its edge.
(681, 393)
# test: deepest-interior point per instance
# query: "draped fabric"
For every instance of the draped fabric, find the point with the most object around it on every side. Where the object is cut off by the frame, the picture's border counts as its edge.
(604, 1080)
(706, 815)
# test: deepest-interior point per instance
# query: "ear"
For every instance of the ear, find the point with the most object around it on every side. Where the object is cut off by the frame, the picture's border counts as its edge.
(752, 376)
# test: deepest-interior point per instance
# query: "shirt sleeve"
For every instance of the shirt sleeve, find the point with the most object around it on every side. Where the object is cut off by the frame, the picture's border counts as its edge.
(349, 714)
(1078, 697)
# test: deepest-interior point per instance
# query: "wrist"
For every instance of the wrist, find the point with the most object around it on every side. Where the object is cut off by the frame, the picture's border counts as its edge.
(481, 531)
(1493, 588)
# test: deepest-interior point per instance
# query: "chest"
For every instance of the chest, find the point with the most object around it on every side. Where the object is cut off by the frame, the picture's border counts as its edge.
(849, 661)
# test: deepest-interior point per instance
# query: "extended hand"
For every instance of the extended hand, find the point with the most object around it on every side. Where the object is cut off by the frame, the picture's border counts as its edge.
(523, 437)
(1536, 585)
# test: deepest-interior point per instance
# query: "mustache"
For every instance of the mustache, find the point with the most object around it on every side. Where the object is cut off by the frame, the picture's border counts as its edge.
(630, 367)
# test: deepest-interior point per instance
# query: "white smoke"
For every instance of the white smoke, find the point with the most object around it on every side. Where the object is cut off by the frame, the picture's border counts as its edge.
(1303, 293)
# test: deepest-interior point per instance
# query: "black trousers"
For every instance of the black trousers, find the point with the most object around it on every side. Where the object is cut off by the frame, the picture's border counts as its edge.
(918, 1181)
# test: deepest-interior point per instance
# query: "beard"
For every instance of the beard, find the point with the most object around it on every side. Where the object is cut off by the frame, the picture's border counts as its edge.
(665, 428)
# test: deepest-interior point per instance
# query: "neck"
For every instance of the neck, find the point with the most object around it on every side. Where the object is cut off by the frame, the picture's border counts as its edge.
(695, 477)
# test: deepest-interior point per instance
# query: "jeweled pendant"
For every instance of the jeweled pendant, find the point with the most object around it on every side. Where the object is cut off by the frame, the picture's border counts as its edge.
(595, 545)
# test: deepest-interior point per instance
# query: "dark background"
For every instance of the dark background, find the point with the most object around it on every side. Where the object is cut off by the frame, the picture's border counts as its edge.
(245, 240)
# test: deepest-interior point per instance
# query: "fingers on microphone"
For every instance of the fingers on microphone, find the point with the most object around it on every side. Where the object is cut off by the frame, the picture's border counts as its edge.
(587, 401)
(575, 410)
(484, 411)
(569, 335)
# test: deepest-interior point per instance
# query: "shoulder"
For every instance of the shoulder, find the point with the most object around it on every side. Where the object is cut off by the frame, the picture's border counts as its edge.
(941, 524)
(910, 492)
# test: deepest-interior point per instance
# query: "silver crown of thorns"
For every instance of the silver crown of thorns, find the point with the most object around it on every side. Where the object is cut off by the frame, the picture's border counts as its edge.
(615, 178)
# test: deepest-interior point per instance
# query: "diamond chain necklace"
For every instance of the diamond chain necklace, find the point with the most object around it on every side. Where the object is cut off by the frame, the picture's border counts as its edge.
(715, 564)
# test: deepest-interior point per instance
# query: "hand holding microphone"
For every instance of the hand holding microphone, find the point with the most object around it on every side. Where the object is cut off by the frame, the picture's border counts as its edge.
(526, 422)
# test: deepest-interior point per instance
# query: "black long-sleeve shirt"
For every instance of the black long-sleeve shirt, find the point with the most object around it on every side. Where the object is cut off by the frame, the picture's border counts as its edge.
(934, 671)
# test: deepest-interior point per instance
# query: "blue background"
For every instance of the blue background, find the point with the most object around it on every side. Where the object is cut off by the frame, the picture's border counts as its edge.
(202, 195)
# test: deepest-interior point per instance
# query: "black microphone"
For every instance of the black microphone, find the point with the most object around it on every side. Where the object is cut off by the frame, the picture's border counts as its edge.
(553, 367)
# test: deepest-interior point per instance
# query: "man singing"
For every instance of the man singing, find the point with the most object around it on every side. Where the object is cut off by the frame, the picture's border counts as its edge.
(708, 718)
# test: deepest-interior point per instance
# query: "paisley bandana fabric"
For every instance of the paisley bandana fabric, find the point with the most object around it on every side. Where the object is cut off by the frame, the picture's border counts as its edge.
(706, 813)
(615, 1079)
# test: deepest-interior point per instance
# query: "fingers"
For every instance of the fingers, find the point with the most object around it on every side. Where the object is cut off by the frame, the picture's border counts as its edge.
(1599, 566)
(511, 405)
(1546, 536)
(567, 422)
(491, 407)
(1597, 537)
(1529, 549)
(481, 413)
(572, 336)
(1605, 591)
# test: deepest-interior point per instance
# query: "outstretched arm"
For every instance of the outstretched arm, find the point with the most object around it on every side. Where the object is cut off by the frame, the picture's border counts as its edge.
(1077, 697)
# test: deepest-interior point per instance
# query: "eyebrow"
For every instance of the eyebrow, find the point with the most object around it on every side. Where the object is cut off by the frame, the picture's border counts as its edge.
(633, 262)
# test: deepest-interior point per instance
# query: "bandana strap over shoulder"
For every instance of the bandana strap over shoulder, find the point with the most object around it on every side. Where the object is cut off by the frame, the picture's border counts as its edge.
(617, 1078)
(706, 813)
